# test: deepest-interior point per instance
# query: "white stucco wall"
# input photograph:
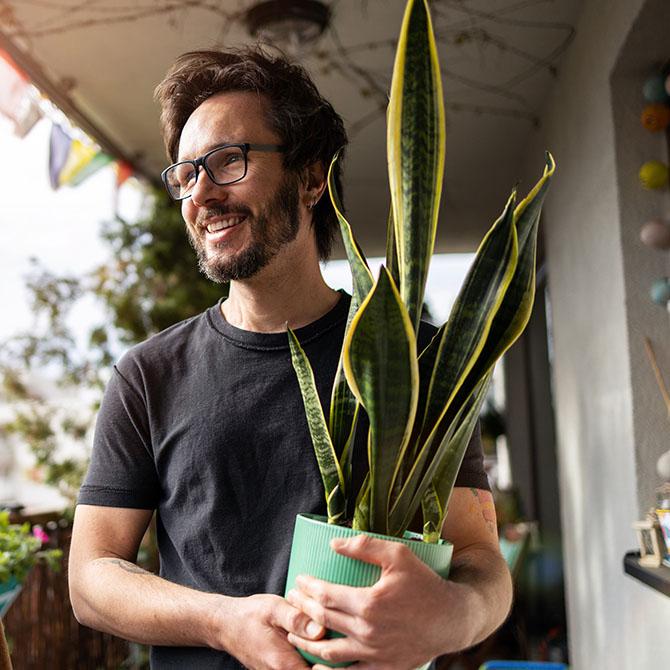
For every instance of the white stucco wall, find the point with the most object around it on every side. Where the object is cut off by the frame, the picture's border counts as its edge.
(600, 307)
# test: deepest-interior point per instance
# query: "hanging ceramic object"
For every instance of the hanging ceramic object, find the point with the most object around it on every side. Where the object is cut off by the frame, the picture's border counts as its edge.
(653, 89)
(655, 117)
(663, 466)
(653, 175)
(656, 234)
(660, 291)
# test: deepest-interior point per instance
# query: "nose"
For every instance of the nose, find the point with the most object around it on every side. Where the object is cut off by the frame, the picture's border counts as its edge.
(206, 191)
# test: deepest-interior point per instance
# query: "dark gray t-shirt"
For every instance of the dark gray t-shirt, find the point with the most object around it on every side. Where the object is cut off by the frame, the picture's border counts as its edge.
(204, 422)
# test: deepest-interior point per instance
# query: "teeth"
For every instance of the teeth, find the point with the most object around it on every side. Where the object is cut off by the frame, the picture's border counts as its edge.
(223, 224)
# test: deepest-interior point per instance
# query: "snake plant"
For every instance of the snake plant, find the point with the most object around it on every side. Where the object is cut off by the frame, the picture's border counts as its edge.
(422, 405)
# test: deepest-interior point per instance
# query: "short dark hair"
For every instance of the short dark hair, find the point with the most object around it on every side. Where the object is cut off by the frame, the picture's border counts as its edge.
(307, 124)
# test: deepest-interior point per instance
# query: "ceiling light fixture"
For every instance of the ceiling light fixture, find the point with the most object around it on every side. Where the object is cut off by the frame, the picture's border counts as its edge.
(290, 24)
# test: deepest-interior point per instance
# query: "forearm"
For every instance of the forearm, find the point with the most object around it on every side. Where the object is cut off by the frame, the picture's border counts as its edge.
(481, 582)
(120, 598)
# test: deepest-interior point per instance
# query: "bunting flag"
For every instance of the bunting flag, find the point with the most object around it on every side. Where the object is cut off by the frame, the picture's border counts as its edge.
(18, 101)
(98, 161)
(59, 148)
(123, 172)
(72, 161)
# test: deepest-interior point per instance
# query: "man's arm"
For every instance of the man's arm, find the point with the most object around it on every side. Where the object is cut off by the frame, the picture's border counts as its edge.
(477, 564)
(111, 593)
(411, 614)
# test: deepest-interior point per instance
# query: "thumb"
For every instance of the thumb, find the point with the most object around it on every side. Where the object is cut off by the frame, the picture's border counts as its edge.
(293, 620)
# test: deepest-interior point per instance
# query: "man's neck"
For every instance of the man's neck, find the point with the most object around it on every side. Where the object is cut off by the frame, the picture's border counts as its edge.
(267, 302)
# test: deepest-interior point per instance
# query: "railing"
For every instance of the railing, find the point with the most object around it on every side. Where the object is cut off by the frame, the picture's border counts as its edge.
(42, 631)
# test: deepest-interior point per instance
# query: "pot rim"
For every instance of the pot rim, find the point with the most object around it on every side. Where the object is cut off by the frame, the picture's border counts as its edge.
(408, 534)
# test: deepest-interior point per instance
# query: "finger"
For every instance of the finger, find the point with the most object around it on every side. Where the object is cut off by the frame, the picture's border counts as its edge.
(294, 620)
(334, 650)
(349, 599)
(330, 618)
(385, 553)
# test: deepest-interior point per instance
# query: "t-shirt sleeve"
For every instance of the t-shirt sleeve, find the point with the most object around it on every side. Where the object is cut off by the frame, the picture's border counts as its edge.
(472, 473)
(122, 472)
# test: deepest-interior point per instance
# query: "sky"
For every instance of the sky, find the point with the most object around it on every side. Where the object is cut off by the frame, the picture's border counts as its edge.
(61, 228)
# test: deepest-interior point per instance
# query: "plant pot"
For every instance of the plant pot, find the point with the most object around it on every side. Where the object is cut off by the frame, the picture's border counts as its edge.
(9, 590)
(311, 555)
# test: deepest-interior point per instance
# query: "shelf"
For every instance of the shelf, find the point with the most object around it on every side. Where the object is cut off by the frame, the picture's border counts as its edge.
(657, 578)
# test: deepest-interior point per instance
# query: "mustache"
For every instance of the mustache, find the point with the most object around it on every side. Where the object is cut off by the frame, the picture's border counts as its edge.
(204, 215)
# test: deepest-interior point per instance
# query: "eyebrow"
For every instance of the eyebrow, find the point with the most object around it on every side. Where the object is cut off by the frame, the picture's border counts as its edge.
(208, 148)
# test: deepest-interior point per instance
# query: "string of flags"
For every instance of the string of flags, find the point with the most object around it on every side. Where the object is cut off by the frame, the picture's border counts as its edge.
(71, 160)
(18, 101)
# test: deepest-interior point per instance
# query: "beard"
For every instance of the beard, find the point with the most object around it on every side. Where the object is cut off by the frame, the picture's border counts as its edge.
(274, 227)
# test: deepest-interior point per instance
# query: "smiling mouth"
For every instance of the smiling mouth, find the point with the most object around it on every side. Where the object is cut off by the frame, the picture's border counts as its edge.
(224, 223)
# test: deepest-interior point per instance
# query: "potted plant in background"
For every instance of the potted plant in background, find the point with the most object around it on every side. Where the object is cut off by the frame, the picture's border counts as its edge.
(422, 405)
(20, 550)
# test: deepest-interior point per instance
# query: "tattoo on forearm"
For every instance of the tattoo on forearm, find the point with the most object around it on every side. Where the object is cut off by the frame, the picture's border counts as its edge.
(126, 565)
(487, 508)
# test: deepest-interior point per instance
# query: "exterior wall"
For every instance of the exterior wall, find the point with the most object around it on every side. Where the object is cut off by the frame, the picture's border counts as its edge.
(599, 306)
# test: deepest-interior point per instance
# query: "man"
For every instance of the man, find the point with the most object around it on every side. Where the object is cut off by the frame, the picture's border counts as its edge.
(204, 422)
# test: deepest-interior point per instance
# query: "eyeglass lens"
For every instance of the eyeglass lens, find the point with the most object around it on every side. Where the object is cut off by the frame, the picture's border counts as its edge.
(225, 165)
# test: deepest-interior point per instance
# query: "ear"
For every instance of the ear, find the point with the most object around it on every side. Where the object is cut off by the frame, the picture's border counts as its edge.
(314, 184)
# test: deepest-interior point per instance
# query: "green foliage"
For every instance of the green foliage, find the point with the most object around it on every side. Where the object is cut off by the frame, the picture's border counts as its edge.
(150, 282)
(423, 406)
(154, 281)
(20, 550)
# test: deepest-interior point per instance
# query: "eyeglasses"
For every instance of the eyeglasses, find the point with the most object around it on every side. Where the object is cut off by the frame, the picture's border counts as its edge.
(224, 165)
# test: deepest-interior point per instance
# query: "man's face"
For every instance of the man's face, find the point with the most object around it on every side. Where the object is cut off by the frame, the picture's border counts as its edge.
(237, 229)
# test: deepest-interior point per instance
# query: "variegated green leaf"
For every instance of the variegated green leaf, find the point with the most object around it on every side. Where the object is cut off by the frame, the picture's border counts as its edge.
(380, 364)
(514, 312)
(329, 468)
(426, 365)
(415, 148)
(471, 317)
(462, 339)
(391, 250)
(447, 470)
(362, 510)
(433, 455)
(343, 405)
(361, 275)
(432, 513)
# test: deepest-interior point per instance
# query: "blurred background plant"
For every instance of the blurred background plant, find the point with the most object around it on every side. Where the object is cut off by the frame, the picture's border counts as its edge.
(53, 378)
(21, 548)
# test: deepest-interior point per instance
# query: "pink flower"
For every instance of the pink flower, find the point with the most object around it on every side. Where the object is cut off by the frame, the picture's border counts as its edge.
(40, 534)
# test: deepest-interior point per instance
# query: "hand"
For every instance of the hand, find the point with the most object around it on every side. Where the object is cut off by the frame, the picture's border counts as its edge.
(255, 632)
(404, 620)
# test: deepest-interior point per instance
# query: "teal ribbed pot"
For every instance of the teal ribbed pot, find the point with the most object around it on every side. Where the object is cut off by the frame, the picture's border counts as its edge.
(9, 590)
(311, 555)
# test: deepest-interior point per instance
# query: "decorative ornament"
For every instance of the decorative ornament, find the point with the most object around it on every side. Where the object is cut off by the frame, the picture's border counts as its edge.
(653, 174)
(663, 466)
(653, 89)
(655, 117)
(650, 540)
(660, 291)
(656, 234)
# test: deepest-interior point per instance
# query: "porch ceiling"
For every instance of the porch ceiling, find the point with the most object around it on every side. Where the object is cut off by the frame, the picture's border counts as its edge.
(103, 59)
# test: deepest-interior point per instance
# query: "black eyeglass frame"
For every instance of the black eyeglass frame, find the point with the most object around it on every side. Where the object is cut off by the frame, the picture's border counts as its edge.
(246, 147)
